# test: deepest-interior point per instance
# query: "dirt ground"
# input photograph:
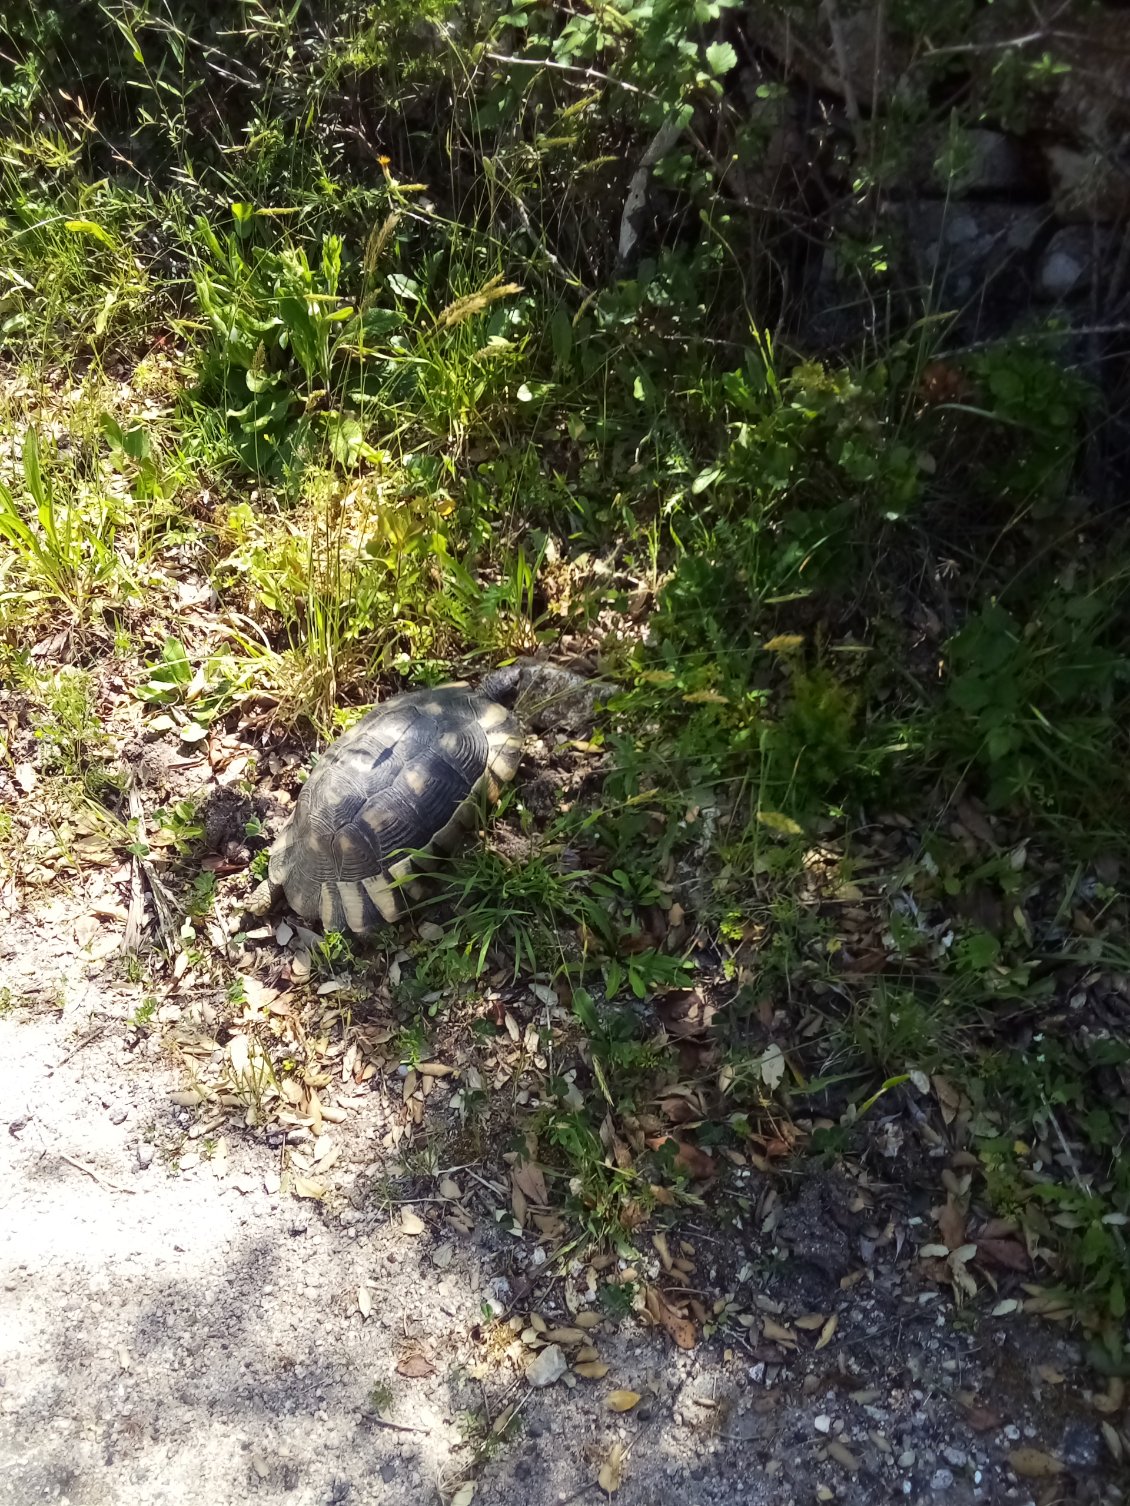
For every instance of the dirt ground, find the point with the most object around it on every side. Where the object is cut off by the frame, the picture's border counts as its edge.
(174, 1327)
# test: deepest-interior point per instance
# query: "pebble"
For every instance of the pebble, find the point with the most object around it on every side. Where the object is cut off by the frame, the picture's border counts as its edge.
(907, 1459)
(941, 1479)
(145, 1154)
(955, 1456)
(822, 1424)
(118, 1115)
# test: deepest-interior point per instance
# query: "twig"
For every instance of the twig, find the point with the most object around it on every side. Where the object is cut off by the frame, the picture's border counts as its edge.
(839, 47)
(590, 73)
(97, 1175)
(87, 1040)
(660, 144)
(397, 1427)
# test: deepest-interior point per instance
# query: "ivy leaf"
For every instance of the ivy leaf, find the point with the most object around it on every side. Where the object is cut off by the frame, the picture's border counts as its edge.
(720, 58)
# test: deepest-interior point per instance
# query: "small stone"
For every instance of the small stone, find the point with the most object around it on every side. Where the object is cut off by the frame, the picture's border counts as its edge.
(941, 1479)
(145, 1154)
(955, 1456)
(907, 1459)
(118, 1115)
(822, 1424)
(547, 1367)
(1065, 263)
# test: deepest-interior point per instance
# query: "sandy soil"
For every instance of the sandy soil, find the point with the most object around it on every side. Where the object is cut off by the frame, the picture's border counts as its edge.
(173, 1327)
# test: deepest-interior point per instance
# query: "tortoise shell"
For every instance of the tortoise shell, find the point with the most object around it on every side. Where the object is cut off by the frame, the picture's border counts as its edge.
(405, 779)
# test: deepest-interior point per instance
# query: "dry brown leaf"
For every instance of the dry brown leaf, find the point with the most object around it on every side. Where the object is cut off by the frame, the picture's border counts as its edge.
(1034, 1464)
(981, 1419)
(611, 1470)
(681, 1329)
(951, 1223)
(308, 1187)
(679, 1110)
(588, 1320)
(531, 1179)
(415, 1366)
(843, 1455)
(827, 1331)
(777, 1333)
(1003, 1252)
(518, 1205)
(810, 1322)
(621, 1401)
(592, 1369)
(563, 1335)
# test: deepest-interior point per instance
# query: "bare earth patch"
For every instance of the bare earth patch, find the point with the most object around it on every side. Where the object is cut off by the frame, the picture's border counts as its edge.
(173, 1326)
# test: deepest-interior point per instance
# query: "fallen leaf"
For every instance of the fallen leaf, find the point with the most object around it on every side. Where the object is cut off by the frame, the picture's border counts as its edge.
(681, 1329)
(1005, 1252)
(982, 1419)
(951, 1222)
(464, 1495)
(364, 1301)
(531, 1179)
(592, 1369)
(777, 1333)
(518, 1204)
(1034, 1464)
(695, 1162)
(827, 1331)
(843, 1455)
(621, 1401)
(411, 1223)
(563, 1335)
(415, 1366)
(772, 1066)
(308, 1187)
(588, 1320)
(610, 1471)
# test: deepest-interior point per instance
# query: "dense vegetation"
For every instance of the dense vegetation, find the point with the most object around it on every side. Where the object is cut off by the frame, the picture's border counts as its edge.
(337, 308)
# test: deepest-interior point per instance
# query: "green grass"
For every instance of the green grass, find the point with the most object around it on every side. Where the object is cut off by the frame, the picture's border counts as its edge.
(406, 416)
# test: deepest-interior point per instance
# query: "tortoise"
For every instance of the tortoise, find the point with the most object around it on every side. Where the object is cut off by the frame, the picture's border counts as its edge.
(404, 780)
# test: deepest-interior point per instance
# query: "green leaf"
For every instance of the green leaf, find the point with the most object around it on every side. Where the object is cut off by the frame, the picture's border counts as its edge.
(720, 58)
(89, 227)
(347, 440)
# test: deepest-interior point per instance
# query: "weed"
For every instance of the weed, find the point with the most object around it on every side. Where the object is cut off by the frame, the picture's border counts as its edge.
(381, 1397)
(180, 826)
(144, 1015)
(64, 550)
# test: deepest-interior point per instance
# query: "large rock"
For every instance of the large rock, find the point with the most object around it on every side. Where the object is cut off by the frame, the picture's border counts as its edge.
(1077, 123)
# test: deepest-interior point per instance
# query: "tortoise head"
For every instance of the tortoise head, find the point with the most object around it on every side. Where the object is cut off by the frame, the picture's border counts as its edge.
(546, 696)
